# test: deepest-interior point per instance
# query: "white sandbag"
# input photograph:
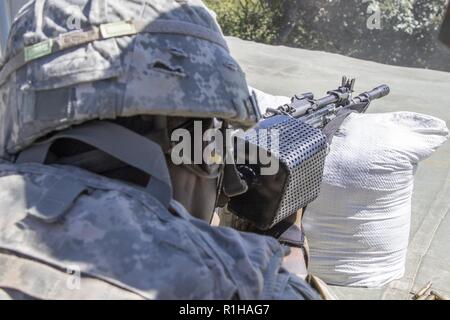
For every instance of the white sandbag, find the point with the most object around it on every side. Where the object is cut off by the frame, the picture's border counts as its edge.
(358, 228)
(269, 101)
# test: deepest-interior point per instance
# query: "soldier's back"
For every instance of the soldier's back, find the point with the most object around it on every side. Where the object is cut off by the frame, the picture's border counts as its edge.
(66, 233)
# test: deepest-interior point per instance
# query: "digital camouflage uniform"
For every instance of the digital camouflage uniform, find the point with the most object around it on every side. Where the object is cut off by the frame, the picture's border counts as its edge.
(162, 57)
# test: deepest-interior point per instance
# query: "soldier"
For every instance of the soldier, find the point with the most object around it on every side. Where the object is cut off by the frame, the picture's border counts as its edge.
(92, 206)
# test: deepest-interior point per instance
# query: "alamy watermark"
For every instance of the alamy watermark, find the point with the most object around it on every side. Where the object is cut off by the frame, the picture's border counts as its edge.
(73, 281)
(226, 147)
(374, 20)
(73, 22)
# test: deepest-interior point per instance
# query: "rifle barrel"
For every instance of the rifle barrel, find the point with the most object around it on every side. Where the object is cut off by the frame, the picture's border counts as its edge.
(330, 105)
(377, 93)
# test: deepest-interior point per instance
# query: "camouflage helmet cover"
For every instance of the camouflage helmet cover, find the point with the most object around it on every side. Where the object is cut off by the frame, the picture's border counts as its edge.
(71, 61)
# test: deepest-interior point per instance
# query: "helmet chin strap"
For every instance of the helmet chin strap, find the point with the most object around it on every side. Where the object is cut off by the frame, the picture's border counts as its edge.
(120, 143)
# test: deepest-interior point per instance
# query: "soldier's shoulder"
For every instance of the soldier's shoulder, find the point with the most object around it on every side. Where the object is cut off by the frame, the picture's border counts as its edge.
(66, 217)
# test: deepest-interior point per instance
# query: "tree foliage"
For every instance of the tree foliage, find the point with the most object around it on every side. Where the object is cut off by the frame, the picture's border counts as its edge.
(401, 32)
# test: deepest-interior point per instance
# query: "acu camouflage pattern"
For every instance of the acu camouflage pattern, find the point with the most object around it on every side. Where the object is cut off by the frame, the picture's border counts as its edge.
(126, 239)
(143, 74)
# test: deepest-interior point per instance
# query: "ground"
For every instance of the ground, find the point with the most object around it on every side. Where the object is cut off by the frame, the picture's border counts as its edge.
(287, 71)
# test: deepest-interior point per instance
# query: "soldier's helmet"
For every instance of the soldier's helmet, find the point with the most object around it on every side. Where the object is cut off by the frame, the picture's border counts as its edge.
(71, 61)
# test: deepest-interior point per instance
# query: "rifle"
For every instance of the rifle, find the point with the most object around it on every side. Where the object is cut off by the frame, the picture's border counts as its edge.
(301, 149)
(318, 113)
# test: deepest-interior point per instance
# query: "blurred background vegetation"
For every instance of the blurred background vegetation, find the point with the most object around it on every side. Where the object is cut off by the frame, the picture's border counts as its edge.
(399, 32)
